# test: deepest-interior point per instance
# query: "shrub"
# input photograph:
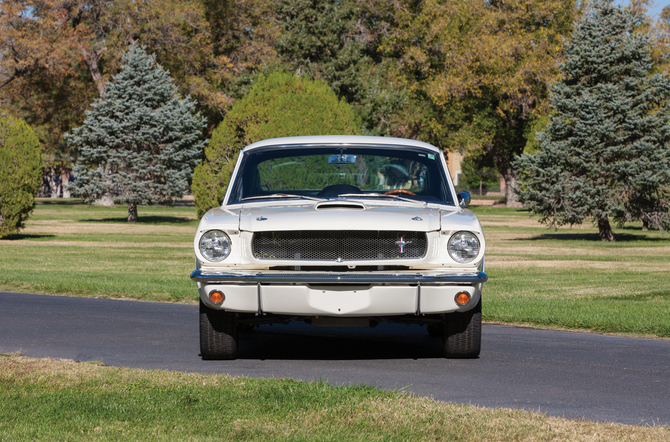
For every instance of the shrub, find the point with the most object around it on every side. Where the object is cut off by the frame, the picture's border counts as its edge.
(20, 173)
(279, 105)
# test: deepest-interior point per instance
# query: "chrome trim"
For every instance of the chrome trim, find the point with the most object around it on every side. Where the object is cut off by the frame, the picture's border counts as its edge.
(258, 277)
(464, 199)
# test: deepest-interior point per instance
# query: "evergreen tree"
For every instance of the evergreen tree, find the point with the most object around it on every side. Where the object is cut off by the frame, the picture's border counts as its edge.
(605, 153)
(337, 41)
(20, 173)
(320, 38)
(478, 173)
(280, 105)
(140, 141)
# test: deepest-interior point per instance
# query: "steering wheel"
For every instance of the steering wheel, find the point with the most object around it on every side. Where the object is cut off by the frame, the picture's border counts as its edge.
(391, 192)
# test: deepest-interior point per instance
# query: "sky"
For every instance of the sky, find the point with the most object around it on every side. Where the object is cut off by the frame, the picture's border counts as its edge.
(653, 11)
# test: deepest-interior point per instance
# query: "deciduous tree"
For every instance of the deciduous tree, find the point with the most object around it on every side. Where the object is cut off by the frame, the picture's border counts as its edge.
(57, 55)
(483, 66)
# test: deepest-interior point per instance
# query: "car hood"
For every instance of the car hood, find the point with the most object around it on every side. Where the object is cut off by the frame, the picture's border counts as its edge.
(338, 215)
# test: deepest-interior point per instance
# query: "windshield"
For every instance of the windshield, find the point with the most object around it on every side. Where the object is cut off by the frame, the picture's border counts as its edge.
(330, 171)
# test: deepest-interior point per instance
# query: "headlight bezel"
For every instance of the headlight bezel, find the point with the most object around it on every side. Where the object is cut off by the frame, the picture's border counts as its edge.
(471, 255)
(223, 238)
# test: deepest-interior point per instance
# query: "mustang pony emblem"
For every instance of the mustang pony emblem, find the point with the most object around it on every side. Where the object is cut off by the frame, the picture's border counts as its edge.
(402, 243)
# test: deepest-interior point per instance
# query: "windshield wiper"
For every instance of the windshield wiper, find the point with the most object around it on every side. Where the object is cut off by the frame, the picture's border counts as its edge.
(381, 195)
(281, 195)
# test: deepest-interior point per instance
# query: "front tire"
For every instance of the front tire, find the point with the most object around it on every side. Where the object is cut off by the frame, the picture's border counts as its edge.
(462, 338)
(218, 334)
(435, 330)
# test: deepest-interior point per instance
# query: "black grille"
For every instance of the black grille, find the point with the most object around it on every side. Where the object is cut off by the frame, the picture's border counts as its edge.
(338, 246)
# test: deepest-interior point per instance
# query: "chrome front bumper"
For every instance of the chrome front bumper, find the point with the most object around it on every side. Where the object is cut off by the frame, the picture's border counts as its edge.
(339, 294)
(405, 278)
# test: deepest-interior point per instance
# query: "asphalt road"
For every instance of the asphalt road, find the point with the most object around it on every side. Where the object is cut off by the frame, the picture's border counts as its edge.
(575, 375)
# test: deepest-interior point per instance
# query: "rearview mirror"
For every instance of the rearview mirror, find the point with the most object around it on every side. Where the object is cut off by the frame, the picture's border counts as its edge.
(342, 159)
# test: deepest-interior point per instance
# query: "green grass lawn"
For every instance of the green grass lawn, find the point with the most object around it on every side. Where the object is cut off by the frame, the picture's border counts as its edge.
(83, 250)
(540, 277)
(63, 400)
(564, 279)
(570, 279)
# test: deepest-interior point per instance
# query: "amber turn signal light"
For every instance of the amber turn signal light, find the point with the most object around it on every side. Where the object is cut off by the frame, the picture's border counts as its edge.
(216, 296)
(462, 298)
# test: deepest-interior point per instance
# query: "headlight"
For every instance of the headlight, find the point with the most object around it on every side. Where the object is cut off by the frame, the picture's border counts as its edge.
(215, 245)
(463, 247)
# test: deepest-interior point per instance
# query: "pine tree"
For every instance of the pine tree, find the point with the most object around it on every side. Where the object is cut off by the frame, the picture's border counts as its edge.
(20, 173)
(323, 38)
(279, 105)
(140, 141)
(605, 154)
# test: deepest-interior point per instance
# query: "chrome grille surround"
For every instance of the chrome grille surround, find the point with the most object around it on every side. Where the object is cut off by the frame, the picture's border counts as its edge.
(338, 246)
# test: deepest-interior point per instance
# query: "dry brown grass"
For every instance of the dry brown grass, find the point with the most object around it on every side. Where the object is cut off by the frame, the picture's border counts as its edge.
(522, 221)
(61, 373)
(62, 227)
(337, 415)
(119, 244)
(515, 261)
(507, 246)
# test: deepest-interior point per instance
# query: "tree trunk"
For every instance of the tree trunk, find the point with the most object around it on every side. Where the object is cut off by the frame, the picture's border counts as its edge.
(604, 229)
(510, 185)
(504, 166)
(92, 63)
(132, 212)
(645, 224)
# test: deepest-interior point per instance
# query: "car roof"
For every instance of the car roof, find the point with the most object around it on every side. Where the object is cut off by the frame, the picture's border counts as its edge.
(341, 140)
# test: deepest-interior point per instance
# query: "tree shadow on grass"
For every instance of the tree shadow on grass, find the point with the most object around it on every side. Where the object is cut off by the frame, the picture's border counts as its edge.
(619, 237)
(152, 219)
(663, 295)
(59, 202)
(16, 236)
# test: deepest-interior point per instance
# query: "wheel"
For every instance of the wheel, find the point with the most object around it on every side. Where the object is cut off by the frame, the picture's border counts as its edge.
(462, 336)
(435, 330)
(218, 333)
(247, 328)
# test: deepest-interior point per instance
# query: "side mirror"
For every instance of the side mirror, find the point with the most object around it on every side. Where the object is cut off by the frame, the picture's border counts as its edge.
(464, 198)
